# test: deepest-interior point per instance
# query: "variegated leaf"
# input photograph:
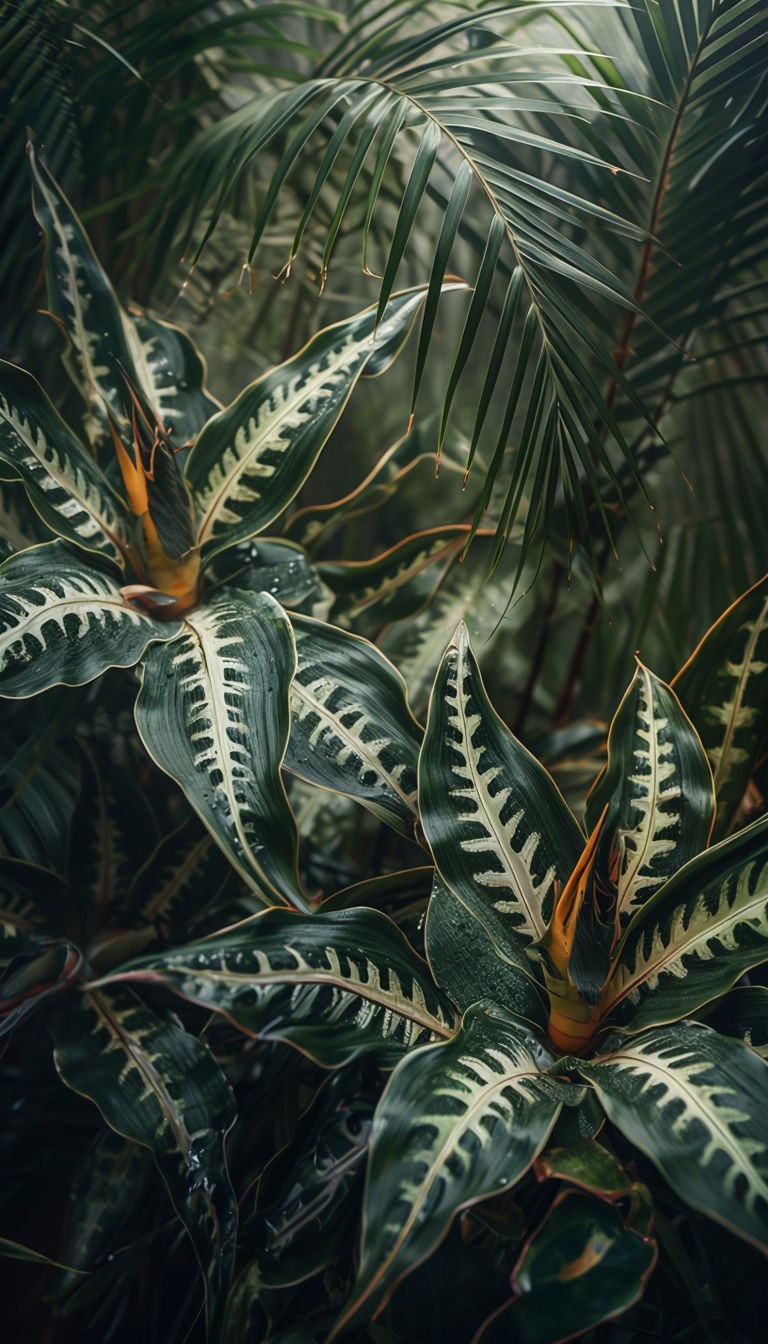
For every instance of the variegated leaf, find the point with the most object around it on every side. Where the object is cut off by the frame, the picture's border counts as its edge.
(351, 728)
(308, 1197)
(332, 985)
(457, 1123)
(500, 833)
(395, 584)
(694, 939)
(472, 957)
(66, 487)
(171, 372)
(416, 645)
(213, 713)
(81, 296)
(109, 1185)
(63, 621)
(695, 1103)
(160, 1087)
(30, 899)
(250, 461)
(724, 688)
(178, 884)
(657, 787)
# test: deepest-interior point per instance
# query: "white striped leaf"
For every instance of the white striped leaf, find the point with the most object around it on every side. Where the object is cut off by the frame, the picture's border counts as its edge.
(213, 713)
(82, 297)
(394, 584)
(250, 461)
(63, 621)
(657, 787)
(351, 728)
(417, 645)
(457, 1123)
(697, 936)
(695, 1103)
(332, 985)
(65, 485)
(724, 688)
(499, 830)
(160, 1087)
(171, 372)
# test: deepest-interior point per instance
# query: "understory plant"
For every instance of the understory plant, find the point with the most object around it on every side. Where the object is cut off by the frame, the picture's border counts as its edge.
(512, 1085)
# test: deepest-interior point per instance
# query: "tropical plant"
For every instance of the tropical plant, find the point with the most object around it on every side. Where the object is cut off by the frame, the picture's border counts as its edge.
(560, 1029)
(164, 574)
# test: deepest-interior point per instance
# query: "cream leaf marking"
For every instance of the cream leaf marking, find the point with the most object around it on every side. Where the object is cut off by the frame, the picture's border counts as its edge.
(71, 493)
(288, 408)
(662, 1082)
(734, 713)
(656, 796)
(514, 866)
(694, 930)
(343, 729)
(212, 691)
(81, 596)
(403, 1010)
(143, 1060)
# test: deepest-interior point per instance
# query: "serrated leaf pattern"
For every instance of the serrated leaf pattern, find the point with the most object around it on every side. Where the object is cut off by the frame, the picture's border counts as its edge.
(693, 941)
(493, 818)
(65, 622)
(223, 732)
(695, 1103)
(250, 461)
(724, 688)
(657, 787)
(62, 481)
(332, 985)
(351, 727)
(457, 1122)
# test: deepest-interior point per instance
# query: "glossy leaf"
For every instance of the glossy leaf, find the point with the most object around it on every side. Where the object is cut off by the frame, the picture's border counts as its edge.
(500, 833)
(63, 621)
(213, 713)
(308, 1196)
(588, 1165)
(66, 487)
(457, 1122)
(581, 1267)
(394, 584)
(171, 372)
(276, 567)
(723, 687)
(657, 787)
(472, 958)
(332, 985)
(700, 932)
(694, 1102)
(351, 727)
(160, 1087)
(40, 972)
(250, 461)
(82, 297)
